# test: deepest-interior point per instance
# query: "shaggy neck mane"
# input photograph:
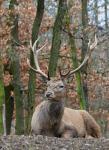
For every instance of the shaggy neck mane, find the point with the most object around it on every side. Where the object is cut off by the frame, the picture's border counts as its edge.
(56, 110)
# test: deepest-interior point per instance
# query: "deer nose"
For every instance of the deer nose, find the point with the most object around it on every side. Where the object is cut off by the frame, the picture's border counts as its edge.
(48, 94)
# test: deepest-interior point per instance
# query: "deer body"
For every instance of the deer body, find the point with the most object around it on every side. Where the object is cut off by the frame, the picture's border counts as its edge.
(84, 123)
(73, 117)
(51, 117)
(47, 118)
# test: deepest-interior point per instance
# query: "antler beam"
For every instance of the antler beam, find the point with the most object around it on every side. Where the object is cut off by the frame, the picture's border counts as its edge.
(90, 48)
(36, 53)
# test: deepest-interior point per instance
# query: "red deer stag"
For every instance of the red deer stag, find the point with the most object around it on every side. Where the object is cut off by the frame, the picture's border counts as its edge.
(51, 118)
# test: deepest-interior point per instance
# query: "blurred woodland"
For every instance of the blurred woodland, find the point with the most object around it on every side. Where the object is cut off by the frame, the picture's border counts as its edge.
(66, 26)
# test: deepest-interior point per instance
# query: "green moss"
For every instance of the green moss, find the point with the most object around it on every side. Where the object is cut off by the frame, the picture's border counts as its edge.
(56, 40)
(78, 75)
(32, 76)
(1, 104)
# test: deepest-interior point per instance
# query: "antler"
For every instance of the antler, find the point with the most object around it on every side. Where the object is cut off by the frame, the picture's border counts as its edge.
(35, 53)
(90, 48)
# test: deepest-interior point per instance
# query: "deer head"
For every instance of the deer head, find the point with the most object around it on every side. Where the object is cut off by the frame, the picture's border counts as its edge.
(55, 87)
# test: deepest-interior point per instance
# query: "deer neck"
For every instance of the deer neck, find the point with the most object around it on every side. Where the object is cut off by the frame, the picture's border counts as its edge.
(56, 110)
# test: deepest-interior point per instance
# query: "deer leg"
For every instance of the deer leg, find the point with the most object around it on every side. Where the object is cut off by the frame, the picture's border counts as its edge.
(69, 132)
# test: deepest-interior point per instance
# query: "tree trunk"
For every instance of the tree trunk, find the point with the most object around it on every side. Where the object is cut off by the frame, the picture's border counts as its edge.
(85, 25)
(84, 49)
(96, 12)
(2, 95)
(18, 95)
(79, 83)
(106, 15)
(9, 105)
(32, 76)
(80, 91)
(56, 40)
(15, 65)
(9, 101)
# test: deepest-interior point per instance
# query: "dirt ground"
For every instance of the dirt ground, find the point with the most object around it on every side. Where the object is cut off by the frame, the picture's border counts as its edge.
(48, 143)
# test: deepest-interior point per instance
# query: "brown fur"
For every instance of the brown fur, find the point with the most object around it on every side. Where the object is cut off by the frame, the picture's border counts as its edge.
(43, 121)
(67, 131)
(53, 119)
(83, 122)
(92, 128)
(47, 120)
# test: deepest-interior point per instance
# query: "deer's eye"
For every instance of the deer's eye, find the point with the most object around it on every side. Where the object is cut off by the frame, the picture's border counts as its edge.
(61, 86)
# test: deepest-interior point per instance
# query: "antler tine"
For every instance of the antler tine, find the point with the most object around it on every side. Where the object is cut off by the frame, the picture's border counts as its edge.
(33, 47)
(90, 48)
(94, 44)
(35, 53)
(80, 66)
(41, 47)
